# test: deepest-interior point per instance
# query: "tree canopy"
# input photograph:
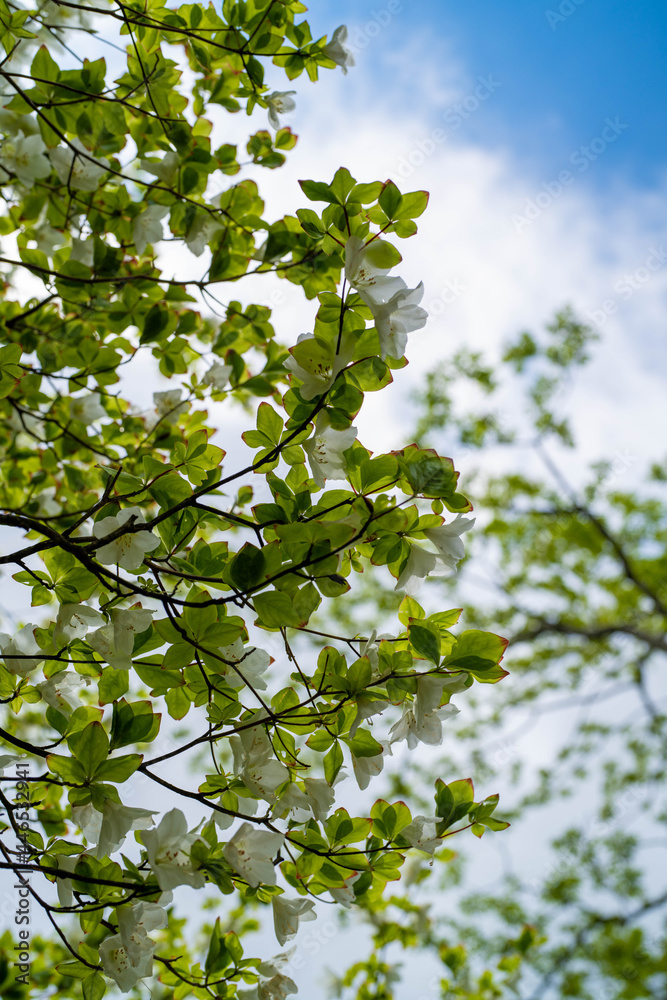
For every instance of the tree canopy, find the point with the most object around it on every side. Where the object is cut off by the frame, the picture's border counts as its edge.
(155, 557)
(572, 572)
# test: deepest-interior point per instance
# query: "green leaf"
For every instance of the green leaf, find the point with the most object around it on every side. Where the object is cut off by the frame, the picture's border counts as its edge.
(454, 803)
(333, 762)
(93, 986)
(269, 423)
(412, 205)
(479, 653)
(425, 641)
(247, 568)
(389, 820)
(391, 200)
(317, 191)
(364, 745)
(90, 746)
(382, 254)
(133, 722)
(67, 768)
(113, 684)
(219, 956)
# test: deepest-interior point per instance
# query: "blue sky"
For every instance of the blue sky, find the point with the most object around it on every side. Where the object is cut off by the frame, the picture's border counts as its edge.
(561, 74)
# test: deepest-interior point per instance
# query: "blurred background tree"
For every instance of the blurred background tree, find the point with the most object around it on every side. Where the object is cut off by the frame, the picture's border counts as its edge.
(575, 738)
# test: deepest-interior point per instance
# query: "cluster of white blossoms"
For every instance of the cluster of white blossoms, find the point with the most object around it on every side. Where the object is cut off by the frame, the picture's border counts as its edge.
(422, 719)
(87, 409)
(127, 551)
(128, 956)
(315, 364)
(217, 376)
(114, 641)
(422, 563)
(325, 450)
(395, 307)
(244, 665)
(168, 405)
(76, 167)
(24, 158)
(20, 653)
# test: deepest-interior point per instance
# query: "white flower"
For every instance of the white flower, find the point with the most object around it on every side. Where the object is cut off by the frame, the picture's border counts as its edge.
(419, 565)
(371, 648)
(47, 239)
(314, 363)
(364, 273)
(89, 819)
(165, 169)
(271, 967)
(109, 828)
(7, 760)
(24, 157)
(255, 764)
(398, 317)
(203, 228)
(118, 965)
(250, 745)
(127, 956)
(336, 51)
(321, 797)
(294, 802)
(115, 640)
(169, 406)
(117, 821)
(276, 988)
(264, 778)
(87, 409)
(287, 913)
(366, 768)
(421, 834)
(325, 450)
(422, 563)
(344, 894)
(422, 719)
(147, 227)
(77, 171)
(26, 425)
(249, 665)
(11, 122)
(66, 863)
(249, 852)
(21, 646)
(74, 620)
(46, 505)
(447, 539)
(217, 376)
(366, 709)
(127, 551)
(280, 103)
(168, 850)
(62, 691)
(83, 251)
(134, 923)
